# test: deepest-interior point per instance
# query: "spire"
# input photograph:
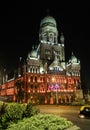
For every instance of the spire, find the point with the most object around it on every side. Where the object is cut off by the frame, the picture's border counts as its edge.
(62, 38)
(20, 58)
(72, 53)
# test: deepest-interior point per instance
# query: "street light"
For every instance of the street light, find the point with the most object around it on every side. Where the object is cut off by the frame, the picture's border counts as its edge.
(56, 87)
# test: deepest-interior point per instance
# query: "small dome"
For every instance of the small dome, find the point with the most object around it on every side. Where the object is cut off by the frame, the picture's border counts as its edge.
(33, 54)
(73, 59)
(49, 20)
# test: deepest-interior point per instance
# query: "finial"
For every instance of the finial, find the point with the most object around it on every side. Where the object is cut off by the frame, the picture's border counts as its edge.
(72, 53)
(62, 38)
(20, 58)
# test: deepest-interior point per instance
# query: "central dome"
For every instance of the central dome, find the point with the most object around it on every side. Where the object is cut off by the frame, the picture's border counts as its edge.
(48, 20)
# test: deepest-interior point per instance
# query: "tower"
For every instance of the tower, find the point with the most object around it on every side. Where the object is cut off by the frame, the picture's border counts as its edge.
(50, 48)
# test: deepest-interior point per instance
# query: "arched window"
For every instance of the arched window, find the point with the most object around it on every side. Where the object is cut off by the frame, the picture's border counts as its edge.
(35, 79)
(31, 79)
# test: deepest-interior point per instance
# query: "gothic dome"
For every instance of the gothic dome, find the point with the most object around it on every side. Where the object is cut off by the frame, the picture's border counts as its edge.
(48, 20)
(33, 54)
(73, 58)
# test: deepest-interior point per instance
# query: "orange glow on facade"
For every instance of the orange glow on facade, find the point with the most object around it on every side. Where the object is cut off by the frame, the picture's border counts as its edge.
(45, 77)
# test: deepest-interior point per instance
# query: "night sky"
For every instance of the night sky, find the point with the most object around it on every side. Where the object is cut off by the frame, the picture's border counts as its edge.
(19, 27)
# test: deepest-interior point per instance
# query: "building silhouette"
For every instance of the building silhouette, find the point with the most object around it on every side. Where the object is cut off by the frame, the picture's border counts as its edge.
(45, 77)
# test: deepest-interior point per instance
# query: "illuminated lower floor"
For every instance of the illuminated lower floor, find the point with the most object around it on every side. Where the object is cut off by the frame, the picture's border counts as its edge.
(41, 89)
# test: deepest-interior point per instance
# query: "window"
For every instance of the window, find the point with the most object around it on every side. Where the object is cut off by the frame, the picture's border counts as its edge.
(31, 79)
(51, 38)
(35, 79)
(45, 37)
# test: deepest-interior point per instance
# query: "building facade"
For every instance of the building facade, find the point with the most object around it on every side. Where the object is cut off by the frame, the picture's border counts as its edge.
(45, 77)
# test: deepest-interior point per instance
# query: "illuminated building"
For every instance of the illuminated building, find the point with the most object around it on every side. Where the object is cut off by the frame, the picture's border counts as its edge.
(46, 77)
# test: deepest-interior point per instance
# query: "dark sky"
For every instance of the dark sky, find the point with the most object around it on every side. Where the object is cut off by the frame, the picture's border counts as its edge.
(19, 27)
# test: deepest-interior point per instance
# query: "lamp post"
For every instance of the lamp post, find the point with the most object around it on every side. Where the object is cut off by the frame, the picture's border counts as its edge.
(56, 87)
